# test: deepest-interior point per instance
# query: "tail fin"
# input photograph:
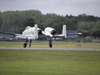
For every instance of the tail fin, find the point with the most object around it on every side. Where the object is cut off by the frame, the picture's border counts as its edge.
(64, 32)
(36, 31)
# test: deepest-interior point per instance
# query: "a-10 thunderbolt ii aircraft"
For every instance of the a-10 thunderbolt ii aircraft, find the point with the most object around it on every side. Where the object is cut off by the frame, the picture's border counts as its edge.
(33, 33)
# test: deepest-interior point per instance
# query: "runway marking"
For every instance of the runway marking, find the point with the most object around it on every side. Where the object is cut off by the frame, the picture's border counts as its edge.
(20, 48)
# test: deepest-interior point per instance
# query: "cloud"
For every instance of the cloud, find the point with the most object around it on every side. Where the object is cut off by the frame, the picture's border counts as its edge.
(62, 7)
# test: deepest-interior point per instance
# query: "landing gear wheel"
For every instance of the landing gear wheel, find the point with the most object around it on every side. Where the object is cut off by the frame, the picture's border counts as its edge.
(29, 45)
(50, 45)
(25, 45)
(30, 41)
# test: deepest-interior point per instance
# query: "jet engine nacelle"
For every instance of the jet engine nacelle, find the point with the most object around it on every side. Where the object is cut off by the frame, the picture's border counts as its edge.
(50, 30)
(39, 31)
(31, 31)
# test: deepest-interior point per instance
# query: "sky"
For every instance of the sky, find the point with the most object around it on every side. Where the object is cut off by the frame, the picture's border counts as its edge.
(59, 7)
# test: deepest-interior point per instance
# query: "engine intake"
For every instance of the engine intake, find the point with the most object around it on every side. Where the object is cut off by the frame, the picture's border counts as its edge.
(53, 32)
(50, 30)
(39, 32)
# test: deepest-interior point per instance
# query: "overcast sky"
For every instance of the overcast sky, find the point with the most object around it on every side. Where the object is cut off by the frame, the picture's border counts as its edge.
(60, 7)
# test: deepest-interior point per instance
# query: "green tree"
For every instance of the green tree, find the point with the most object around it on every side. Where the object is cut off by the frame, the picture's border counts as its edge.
(95, 32)
(18, 20)
(28, 22)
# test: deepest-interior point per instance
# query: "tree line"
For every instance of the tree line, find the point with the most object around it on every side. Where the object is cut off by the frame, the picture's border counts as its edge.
(17, 20)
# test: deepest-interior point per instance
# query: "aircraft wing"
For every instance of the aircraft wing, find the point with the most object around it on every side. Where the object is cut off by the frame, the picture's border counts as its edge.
(4, 34)
(59, 36)
(20, 36)
(31, 33)
(7, 33)
(51, 33)
(55, 36)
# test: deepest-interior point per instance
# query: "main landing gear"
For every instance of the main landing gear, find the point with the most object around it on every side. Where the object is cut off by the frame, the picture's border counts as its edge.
(25, 44)
(30, 41)
(50, 43)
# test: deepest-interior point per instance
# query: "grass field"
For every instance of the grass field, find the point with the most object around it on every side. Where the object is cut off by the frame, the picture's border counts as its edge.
(55, 45)
(49, 62)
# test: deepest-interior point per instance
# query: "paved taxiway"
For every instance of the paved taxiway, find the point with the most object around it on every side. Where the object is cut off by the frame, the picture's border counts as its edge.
(86, 49)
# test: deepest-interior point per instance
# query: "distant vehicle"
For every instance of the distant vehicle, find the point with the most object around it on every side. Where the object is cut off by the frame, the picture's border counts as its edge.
(33, 33)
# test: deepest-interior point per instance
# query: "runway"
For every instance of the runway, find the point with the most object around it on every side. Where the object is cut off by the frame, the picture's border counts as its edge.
(20, 48)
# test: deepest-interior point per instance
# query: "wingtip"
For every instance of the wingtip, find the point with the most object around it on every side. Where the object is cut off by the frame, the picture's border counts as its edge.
(36, 25)
(64, 25)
